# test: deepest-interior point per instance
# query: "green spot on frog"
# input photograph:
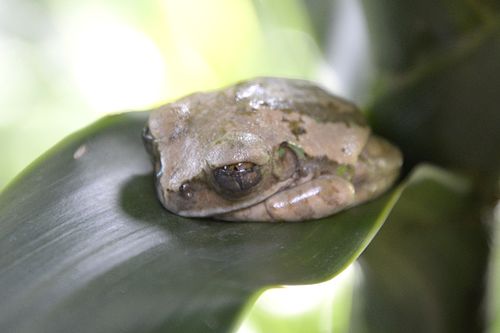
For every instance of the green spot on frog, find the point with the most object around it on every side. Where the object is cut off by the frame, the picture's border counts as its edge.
(281, 152)
(297, 150)
(345, 171)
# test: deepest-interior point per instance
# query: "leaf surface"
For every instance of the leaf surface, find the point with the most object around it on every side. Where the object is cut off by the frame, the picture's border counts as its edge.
(85, 245)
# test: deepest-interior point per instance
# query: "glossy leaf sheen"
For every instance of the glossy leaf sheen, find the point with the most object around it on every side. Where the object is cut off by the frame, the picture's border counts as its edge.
(85, 245)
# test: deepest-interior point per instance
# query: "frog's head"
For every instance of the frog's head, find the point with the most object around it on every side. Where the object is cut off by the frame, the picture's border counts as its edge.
(234, 171)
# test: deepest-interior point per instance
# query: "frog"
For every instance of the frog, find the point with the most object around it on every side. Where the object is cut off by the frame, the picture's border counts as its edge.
(267, 149)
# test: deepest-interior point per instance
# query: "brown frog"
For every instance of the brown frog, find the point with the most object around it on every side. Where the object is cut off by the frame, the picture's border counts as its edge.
(267, 149)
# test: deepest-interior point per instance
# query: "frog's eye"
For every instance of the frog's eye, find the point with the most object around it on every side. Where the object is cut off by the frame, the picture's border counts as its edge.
(237, 178)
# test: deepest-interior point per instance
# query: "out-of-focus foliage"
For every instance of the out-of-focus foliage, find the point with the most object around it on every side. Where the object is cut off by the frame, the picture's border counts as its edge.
(318, 308)
(438, 78)
(63, 64)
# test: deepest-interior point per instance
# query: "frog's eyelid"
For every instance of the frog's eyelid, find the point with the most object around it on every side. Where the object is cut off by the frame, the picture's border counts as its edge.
(257, 159)
(232, 162)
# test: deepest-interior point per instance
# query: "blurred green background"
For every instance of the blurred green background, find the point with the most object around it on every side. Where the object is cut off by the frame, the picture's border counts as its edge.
(64, 64)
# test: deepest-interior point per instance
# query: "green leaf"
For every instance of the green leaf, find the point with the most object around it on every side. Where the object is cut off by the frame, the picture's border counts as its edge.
(85, 245)
(406, 34)
(425, 271)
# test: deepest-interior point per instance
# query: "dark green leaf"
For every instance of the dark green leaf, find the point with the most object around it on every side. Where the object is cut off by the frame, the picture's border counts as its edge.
(425, 270)
(86, 247)
(439, 74)
(405, 34)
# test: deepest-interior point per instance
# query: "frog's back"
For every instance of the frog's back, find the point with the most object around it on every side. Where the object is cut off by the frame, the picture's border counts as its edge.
(295, 95)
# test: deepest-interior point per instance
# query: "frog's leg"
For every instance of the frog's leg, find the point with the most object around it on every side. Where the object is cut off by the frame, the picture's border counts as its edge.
(317, 198)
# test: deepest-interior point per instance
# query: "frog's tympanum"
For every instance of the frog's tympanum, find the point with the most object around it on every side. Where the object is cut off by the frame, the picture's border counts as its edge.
(268, 149)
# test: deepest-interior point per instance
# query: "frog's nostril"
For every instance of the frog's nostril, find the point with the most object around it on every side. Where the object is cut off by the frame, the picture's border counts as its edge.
(186, 191)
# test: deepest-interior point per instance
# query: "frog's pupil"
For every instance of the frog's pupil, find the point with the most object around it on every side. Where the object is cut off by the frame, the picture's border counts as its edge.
(238, 177)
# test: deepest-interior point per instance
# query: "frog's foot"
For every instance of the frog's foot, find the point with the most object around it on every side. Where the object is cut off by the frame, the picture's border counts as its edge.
(317, 198)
